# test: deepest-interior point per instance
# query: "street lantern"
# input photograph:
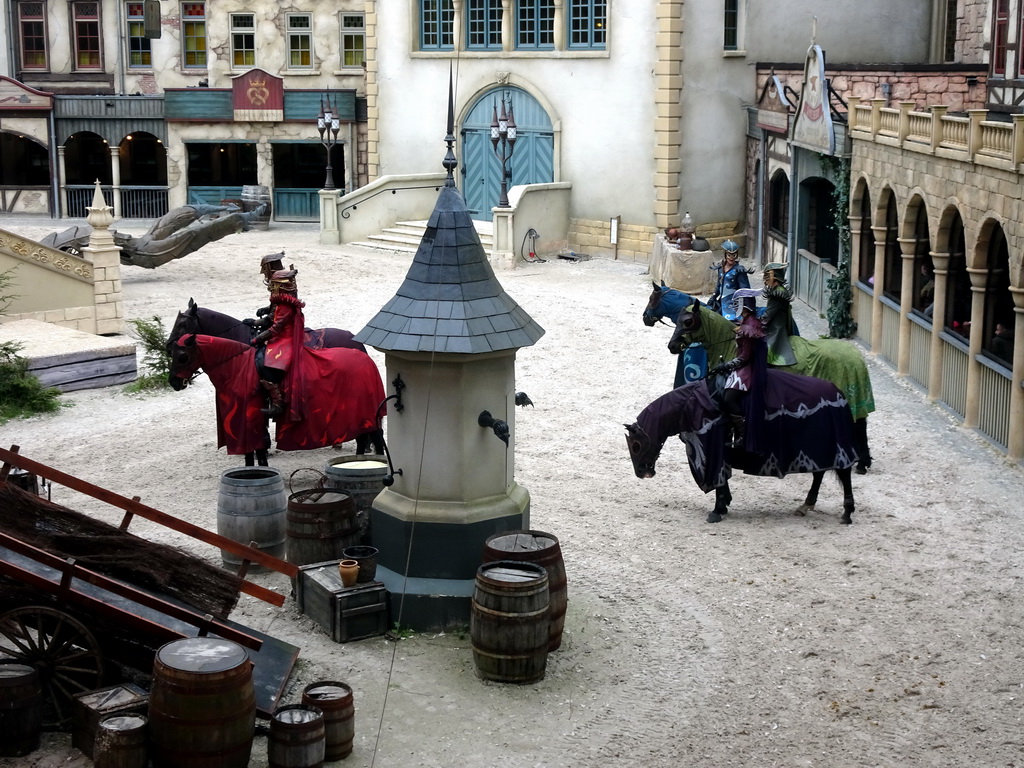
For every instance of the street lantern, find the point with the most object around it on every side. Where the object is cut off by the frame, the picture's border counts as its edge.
(504, 132)
(327, 125)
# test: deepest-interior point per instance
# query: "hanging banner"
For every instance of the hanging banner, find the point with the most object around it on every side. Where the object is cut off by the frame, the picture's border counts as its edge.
(812, 126)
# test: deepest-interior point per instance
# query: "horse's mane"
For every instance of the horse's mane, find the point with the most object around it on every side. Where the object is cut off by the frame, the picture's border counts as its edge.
(716, 333)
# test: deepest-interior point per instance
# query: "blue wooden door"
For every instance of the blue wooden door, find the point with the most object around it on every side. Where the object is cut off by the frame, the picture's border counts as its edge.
(533, 161)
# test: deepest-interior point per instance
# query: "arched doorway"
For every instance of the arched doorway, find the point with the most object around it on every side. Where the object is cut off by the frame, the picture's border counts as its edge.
(86, 161)
(143, 168)
(533, 160)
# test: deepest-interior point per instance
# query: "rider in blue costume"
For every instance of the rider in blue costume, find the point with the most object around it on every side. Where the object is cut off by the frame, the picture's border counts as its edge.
(731, 276)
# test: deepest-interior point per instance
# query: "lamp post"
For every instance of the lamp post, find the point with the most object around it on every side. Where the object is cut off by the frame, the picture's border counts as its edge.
(503, 132)
(328, 125)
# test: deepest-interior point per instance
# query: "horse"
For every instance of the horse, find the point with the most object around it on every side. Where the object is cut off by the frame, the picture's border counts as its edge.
(342, 405)
(667, 302)
(209, 322)
(808, 427)
(830, 359)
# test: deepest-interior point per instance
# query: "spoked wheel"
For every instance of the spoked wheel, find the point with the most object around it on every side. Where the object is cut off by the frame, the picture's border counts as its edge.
(65, 653)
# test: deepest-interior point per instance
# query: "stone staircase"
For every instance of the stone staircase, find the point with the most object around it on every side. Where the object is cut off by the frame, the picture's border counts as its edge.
(405, 236)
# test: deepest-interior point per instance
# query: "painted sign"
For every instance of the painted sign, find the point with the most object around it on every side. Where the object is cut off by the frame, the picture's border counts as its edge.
(773, 107)
(257, 96)
(812, 126)
(17, 96)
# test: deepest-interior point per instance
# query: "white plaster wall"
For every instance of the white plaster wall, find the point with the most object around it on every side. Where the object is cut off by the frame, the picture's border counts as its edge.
(602, 108)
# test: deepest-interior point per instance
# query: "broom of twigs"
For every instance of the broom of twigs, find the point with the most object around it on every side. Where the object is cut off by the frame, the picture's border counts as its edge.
(108, 550)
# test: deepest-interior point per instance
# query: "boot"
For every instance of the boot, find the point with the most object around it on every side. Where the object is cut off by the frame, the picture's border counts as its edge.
(275, 400)
(739, 430)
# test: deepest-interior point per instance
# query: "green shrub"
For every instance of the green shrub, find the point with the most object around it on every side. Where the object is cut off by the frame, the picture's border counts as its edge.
(156, 364)
(21, 394)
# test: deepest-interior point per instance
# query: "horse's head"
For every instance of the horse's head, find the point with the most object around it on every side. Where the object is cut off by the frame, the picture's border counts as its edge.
(185, 362)
(642, 450)
(688, 323)
(185, 323)
(653, 311)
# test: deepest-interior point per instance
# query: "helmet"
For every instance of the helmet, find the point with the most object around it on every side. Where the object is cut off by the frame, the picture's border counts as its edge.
(731, 246)
(775, 270)
(270, 264)
(283, 280)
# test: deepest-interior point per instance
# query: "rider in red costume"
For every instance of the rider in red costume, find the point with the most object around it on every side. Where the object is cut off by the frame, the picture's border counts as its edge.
(279, 344)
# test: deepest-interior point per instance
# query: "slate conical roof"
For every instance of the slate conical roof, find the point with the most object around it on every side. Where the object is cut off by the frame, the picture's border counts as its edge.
(450, 300)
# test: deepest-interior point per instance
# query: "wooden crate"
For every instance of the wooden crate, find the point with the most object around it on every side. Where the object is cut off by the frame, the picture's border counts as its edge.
(89, 708)
(345, 613)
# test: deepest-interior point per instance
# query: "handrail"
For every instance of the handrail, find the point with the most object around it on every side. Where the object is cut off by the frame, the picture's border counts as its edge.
(393, 190)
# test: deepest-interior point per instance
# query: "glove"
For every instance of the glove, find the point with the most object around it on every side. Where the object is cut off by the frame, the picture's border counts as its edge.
(251, 322)
(260, 338)
(264, 311)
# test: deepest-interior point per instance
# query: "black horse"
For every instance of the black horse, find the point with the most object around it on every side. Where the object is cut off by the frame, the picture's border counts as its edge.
(834, 360)
(209, 322)
(807, 428)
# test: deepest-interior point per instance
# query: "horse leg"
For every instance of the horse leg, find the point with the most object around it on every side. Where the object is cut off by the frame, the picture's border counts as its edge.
(860, 439)
(261, 457)
(845, 478)
(812, 495)
(250, 459)
(723, 498)
(362, 443)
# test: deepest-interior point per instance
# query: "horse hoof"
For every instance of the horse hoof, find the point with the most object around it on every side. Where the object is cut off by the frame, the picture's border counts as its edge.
(714, 517)
(802, 510)
(846, 520)
(862, 469)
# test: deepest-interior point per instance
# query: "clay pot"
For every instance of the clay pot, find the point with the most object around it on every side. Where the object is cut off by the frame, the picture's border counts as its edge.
(349, 572)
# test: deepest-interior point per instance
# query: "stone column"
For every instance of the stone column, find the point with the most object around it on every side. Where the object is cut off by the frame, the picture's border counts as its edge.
(1015, 438)
(558, 26)
(62, 175)
(940, 265)
(878, 285)
(457, 40)
(979, 280)
(105, 256)
(507, 26)
(907, 245)
(115, 180)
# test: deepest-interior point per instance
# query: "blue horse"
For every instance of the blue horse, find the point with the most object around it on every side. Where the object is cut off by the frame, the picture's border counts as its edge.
(692, 364)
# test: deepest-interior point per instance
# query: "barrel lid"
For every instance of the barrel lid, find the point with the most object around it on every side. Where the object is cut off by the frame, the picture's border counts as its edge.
(362, 464)
(511, 571)
(202, 654)
(251, 473)
(521, 541)
(298, 713)
(123, 722)
(328, 691)
(16, 671)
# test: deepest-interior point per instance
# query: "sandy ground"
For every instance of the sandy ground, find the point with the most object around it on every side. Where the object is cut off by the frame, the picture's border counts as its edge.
(765, 640)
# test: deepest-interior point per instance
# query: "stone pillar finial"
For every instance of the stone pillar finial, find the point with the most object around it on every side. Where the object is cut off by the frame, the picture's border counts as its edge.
(100, 216)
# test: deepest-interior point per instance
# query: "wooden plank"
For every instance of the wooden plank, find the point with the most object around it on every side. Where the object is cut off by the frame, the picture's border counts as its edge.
(154, 515)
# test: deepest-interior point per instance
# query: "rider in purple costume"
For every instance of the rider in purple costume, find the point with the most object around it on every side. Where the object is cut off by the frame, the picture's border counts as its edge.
(743, 396)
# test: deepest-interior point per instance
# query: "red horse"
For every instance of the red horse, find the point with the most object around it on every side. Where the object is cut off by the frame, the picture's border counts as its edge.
(342, 393)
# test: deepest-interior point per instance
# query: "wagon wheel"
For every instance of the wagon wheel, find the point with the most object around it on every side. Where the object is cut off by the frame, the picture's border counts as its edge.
(65, 653)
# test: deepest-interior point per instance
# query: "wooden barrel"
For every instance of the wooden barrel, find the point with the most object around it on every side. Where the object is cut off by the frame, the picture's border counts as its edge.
(253, 196)
(508, 622)
(321, 524)
(359, 477)
(252, 506)
(202, 706)
(542, 549)
(21, 709)
(121, 742)
(336, 702)
(296, 737)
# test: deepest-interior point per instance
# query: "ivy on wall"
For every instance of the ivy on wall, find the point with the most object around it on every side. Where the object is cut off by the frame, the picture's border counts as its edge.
(841, 324)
